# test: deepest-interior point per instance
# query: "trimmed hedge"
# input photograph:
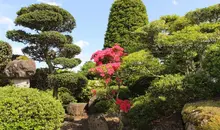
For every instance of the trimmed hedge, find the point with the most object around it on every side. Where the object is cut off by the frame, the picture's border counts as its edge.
(75, 82)
(27, 109)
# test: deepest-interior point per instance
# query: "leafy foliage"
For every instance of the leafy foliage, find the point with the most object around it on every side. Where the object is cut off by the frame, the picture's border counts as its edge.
(211, 62)
(86, 94)
(26, 109)
(137, 65)
(75, 82)
(209, 14)
(40, 79)
(45, 17)
(85, 69)
(125, 17)
(48, 43)
(5, 55)
(65, 96)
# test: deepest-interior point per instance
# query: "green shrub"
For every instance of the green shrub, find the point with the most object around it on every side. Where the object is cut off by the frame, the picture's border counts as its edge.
(167, 95)
(86, 94)
(27, 108)
(64, 95)
(164, 97)
(143, 111)
(40, 79)
(137, 65)
(124, 92)
(75, 82)
(170, 90)
(211, 62)
(200, 86)
(105, 106)
(85, 69)
(5, 55)
(5, 82)
(203, 115)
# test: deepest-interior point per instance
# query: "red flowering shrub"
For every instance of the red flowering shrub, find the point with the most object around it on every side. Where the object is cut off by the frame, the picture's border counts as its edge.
(109, 55)
(114, 92)
(108, 61)
(124, 105)
(93, 92)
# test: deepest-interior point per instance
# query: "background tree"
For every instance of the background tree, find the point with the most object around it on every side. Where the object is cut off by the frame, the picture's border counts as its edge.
(188, 48)
(125, 17)
(5, 55)
(47, 42)
(85, 69)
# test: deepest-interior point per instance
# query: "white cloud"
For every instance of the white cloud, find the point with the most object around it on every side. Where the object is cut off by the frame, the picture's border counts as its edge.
(6, 21)
(175, 2)
(50, 2)
(82, 43)
(17, 50)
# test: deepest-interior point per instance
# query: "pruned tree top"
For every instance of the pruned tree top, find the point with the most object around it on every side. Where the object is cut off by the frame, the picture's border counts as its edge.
(44, 17)
(125, 17)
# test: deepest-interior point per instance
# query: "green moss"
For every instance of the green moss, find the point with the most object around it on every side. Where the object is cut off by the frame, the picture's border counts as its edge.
(22, 58)
(203, 115)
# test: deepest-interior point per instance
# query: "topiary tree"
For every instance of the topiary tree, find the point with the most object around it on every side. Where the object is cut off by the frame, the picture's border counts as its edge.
(27, 109)
(125, 17)
(5, 55)
(75, 82)
(47, 43)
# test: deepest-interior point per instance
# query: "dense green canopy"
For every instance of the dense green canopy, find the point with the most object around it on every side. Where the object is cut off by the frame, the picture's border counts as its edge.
(48, 42)
(125, 17)
(5, 55)
(44, 17)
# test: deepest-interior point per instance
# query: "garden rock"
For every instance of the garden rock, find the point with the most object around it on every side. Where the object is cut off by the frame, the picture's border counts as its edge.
(97, 122)
(20, 69)
(203, 115)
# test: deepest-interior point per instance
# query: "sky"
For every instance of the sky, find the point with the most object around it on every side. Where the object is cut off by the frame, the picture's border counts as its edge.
(91, 19)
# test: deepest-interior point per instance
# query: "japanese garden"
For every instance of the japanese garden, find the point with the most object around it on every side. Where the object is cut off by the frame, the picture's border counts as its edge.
(149, 75)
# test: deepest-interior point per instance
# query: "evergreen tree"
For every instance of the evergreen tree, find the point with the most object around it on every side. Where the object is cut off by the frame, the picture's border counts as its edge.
(5, 55)
(47, 43)
(125, 17)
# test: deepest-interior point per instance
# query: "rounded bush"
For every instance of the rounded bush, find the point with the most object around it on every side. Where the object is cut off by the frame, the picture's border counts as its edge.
(75, 82)
(27, 108)
(64, 95)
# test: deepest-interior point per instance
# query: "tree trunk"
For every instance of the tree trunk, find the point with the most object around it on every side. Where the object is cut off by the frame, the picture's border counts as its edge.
(55, 92)
(51, 71)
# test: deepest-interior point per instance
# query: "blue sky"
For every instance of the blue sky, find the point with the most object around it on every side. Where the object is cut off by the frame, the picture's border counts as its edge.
(92, 18)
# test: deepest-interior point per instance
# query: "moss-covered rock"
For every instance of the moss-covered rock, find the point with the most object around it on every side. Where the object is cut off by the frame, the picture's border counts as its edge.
(204, 115)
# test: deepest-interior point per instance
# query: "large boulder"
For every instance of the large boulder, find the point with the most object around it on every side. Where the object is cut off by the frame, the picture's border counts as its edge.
(20, 69)
(203, 115)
